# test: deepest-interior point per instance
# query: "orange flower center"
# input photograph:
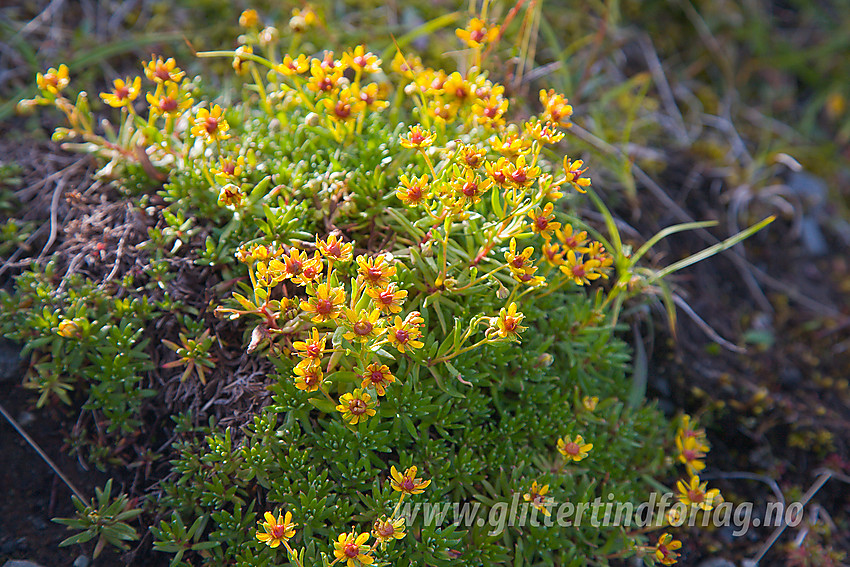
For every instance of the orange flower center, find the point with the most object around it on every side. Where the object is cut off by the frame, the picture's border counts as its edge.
(351, 550)
(414, 193)
(310, 272)
(360, 61)
(342, 110)
(162, 73)
(519, 176)
(122, 92)
(476, 35)
(374, 274)
(324, 306)
(696, 496)
(572, 448)
(541, 223)
(402, 336)
(278, 531)
(385, 529)
(51, 79)
(690, 454)
(408, 484)
(211, 125)
(314, 350)
(386, 298)
(363, 328)
(579, 271)
(293, 266)
(311, 379)
(510, 323)
(168, 104)
(376, 376)
(470, 188)
(357, 407)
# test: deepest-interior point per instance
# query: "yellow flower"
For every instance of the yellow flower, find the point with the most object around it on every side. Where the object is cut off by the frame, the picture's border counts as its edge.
(211, 125)
(163, 71)
(405, 334)
(371, 96)
(508, 323)
(352, 549)
(302, 19)
(469, 187)
(408, 66)
(310, 270)
(326, 304)
(378, 376)
(572, 240)
(556, 108)
(496, 171)
(387, 300)
(293, 263)
(574, 449)
(543, 133)
(581, 272)
(68, 329)
(313, 347)
(229, 169)
(458, 88)
(589, 402)
(413, 191)
(477, 34)
(172, 103)
(361, 60)
(490, 111)
(308, 375)
(54, 80)
(552, 253)
(276, 530)
(573, 170)
(385, 530)
(471, 156)
(510, 145)
(249, 19)
(519, 264)
(374, 272)
(323, 77)
(664, 549)
(364, 325)
(123, 92)
(356, 406)
(695, 494)
(542, 222)
(407, 483)
(417, 138)
(231, 196)
(239, 59)
(520, 174)
(691, 453)
(345, 105)
(686, 431)
(537, 496)
(333, 248)
(297, 66)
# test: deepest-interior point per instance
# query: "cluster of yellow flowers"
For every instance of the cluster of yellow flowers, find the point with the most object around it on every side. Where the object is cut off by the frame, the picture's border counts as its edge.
(351, 548)
(693, 446)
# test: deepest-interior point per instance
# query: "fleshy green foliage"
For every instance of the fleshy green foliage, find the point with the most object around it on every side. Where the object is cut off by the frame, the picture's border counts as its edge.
(487, 254)
(104, 518)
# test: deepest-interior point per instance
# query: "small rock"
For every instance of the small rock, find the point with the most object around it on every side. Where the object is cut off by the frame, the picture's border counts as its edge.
(81, 561)
(20, 563)
(717, 562)
(14, 546)
(10, 361)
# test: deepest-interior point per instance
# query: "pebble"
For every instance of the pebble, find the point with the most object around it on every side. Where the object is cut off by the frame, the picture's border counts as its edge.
(717, 562)
(10, 361)
(81, 561)
(20, 563)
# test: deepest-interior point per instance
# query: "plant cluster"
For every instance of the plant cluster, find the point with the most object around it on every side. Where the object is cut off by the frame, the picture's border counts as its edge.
(382, 236)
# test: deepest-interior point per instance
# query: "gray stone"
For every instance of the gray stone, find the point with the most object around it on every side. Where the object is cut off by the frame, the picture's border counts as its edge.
(717, 562)
(10, 361)
(20, 563)
(82, 561)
